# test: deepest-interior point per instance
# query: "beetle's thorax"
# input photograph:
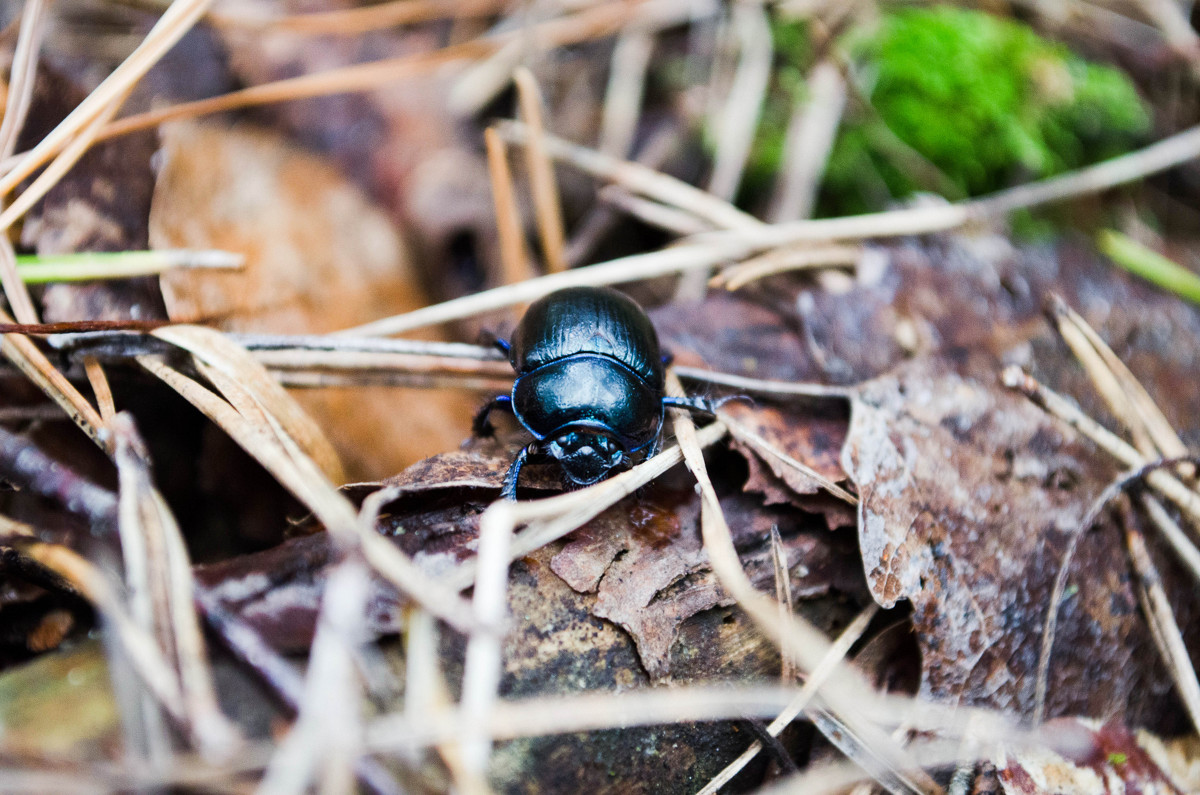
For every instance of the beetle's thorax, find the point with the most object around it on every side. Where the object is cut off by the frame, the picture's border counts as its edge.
(588, 390)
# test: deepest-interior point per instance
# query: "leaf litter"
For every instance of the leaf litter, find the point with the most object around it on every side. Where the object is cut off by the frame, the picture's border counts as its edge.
(970, 494)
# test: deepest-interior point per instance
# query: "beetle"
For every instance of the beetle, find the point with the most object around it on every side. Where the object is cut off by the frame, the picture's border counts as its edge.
(590, 385)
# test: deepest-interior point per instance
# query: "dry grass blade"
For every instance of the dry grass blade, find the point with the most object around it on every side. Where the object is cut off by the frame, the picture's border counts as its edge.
(21, 351)
(638, 179)
(783, 595)
(301, 476)
(760, 386)
(596, 711)
(16, 108)
(94, 585)
(483, 662)
(663, 216)
(101, 389)
(1159, 156)
(1144, 415)
(344, 80)
(426, 692)
(835, 656)
(626, 269)
(162, 594)
(326, 741)
(543, 185)
(806, 645)
(1163, 625)
(514, 258)
(1167, 485)
(1174, 534)
(625, 90)
(785, 260)
(352, 21)
(218, 351)
(701, 253)
(764, 447)
(1110, 493)
(178, 19)
(738, 119)
(810, 137)
(66, 159)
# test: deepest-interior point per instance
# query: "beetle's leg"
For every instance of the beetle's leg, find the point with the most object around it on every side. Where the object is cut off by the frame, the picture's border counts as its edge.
(696, 405)
(492, 341)
(509, 490)
(482, 426)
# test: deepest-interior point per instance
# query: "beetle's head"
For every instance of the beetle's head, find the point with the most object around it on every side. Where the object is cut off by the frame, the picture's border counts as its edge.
(586, 456)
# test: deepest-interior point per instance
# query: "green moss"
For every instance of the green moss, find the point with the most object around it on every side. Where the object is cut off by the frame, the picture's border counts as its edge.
(960, 102)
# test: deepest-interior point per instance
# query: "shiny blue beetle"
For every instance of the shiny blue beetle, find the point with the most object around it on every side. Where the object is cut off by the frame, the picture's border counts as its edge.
(589, 387)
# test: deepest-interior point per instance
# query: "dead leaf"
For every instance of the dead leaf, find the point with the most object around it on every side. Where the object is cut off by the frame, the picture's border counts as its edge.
(319, 257)
(970, 494)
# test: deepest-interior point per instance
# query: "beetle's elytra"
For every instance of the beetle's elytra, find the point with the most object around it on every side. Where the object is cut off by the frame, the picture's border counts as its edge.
(589, 384)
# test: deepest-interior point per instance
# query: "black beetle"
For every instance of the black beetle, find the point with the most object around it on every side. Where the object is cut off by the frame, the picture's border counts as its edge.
(589, 384)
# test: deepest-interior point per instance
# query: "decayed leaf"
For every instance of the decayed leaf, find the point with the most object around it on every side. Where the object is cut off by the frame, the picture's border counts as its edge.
(1119, 762)
(319, 257)
(970, 494)
(650, 573)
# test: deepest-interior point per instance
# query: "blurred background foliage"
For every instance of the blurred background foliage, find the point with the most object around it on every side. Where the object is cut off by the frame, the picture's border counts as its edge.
(950, 100)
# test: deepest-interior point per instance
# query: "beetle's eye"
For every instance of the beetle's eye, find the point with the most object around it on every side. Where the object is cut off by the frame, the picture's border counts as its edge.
(586, 457)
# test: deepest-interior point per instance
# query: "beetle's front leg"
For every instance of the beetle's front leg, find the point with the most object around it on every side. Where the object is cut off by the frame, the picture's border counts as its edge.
(696, 405)
(482, 426)
(508, 491)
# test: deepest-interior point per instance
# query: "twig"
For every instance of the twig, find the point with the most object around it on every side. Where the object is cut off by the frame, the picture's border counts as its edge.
(23, 464)
(543, 185)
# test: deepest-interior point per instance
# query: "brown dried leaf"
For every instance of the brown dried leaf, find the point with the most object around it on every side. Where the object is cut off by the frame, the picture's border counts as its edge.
(970, 494)
(319, 257)
(647, 565)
